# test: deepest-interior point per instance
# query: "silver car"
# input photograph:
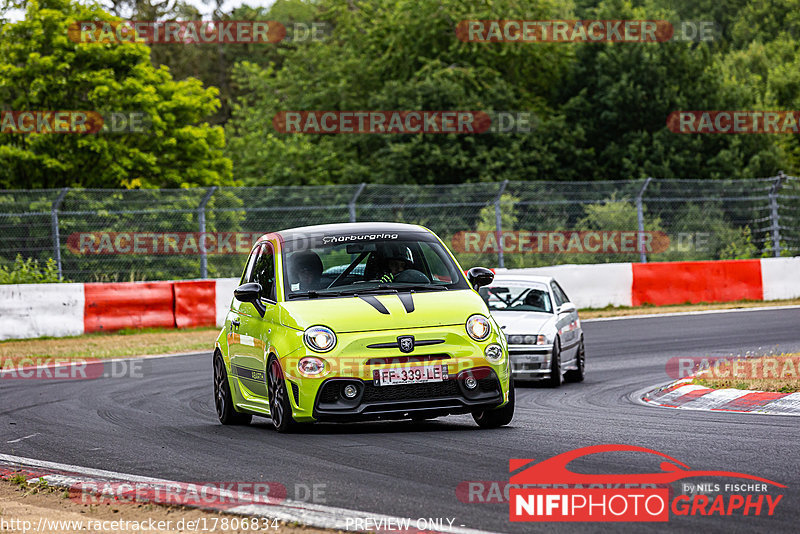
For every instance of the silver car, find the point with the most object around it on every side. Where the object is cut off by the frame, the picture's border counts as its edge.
(545, 339)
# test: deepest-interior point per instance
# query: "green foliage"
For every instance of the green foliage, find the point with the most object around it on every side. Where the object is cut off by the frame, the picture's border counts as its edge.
(42, 69)
(28, 271)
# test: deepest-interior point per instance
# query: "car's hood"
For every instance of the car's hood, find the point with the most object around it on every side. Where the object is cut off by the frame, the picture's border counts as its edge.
(357, 314)
(521, 322)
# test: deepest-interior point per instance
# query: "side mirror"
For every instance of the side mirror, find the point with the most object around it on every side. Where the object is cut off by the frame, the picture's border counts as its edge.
(479, 277)
(567, 307)
(251, 292)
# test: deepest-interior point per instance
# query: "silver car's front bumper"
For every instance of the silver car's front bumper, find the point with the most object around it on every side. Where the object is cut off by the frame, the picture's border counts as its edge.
(530, 361)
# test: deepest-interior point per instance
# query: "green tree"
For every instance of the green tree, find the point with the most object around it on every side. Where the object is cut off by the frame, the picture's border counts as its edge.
(42, 69)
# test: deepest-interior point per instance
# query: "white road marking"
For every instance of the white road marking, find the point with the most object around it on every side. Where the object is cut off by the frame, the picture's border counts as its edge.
(20, 439)
(314, 515)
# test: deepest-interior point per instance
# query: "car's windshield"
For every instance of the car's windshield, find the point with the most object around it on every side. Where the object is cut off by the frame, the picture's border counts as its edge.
(322, 266)
(517, 297)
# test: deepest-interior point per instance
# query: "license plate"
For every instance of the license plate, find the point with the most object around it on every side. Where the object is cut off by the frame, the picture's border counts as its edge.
(410, 375)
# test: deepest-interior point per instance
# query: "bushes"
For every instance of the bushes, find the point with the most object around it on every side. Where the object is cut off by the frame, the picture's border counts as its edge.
(29, 272)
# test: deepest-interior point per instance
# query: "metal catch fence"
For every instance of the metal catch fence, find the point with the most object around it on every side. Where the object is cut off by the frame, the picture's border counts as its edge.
(156, 234)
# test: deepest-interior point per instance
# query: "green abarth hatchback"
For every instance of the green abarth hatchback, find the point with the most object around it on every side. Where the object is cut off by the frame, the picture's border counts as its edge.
(361, 321)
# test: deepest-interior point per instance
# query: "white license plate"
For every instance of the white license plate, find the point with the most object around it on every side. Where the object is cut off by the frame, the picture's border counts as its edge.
(410, 375)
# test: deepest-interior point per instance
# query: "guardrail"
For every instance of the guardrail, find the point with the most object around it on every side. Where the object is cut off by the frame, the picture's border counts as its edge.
(35, 310)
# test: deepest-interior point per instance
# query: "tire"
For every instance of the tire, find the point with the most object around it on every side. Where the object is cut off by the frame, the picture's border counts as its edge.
(223, 401)
(576, 375)
(497, 417)
(280, 408)
(555, 379)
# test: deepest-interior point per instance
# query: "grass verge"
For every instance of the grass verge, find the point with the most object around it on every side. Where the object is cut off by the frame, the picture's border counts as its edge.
(110, 345)
(778, 373)
(621, 311)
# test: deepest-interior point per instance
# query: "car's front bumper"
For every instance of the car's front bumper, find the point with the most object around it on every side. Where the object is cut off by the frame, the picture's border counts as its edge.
(530, 362)
(410, 400)
(358, 355)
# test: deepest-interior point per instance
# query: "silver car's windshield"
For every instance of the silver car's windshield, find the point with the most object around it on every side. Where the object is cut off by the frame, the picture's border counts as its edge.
(331, 267)
(515, 297)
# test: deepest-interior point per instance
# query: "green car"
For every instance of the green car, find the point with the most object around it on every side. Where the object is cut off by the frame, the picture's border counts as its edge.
(361, 321)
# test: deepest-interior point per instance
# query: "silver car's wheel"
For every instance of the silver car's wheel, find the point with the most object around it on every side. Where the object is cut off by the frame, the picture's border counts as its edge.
(576, 375)
(555, 379)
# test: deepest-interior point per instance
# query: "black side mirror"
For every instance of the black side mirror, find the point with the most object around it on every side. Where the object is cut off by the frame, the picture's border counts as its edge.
(479, 277)
(251, 292)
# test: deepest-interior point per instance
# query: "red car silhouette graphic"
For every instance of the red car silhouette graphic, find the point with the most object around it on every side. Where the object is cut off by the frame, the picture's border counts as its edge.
(554, 470)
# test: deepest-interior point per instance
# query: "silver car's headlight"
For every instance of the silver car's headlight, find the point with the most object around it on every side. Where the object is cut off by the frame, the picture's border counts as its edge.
(478, 327)
(514, 339)
(319, 338)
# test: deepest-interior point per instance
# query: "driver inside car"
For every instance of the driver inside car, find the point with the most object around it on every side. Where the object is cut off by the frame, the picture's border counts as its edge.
(307, 270)
(397, 260)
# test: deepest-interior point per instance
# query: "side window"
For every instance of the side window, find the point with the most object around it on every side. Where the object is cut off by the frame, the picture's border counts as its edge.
(438, 269)
(562, 293)
(557, 294)
(261, 269)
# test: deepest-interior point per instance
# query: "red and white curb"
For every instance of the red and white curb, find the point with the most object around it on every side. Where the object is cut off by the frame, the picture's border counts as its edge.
(288, 511)
(685, 395)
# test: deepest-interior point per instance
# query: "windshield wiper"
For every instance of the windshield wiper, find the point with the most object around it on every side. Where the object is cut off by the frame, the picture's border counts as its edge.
(304, 294)
(422, 287)
(367, 290)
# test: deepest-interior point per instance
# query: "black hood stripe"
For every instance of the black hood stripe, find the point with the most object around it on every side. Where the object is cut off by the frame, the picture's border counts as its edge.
(407, 300)
(375, 303)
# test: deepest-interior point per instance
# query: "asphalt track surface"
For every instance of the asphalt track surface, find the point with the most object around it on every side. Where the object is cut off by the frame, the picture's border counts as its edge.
(164, 425)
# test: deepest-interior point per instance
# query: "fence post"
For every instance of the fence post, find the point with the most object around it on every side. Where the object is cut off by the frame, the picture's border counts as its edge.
(773, 216)
(352, 204)
(640, 220)
(499, 225)
(54, 229)
(201, 220)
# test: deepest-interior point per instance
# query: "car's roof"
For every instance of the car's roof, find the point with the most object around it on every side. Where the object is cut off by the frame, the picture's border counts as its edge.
(341, 228)
(521, 279)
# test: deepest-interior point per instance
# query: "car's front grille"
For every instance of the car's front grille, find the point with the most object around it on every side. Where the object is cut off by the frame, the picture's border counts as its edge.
(430, 390)
(526, 366)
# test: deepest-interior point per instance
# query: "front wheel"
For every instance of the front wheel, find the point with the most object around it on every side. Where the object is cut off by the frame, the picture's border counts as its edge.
(280, 408)
(499, 416)
(576, 375)
(554, 380)
(223, 401)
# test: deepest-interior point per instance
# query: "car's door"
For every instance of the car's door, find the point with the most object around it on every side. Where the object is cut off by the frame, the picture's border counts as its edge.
(568, 324)
(248, 353)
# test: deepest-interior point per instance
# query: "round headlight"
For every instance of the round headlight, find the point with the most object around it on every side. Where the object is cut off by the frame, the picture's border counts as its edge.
(319, 338)
(494, 353)
(310, 366)
(515, 340)
(478, 327)
(530, 340)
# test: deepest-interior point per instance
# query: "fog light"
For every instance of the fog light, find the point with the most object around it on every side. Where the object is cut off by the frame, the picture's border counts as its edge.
(350, 391)
(470, 382)
(494, 353)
